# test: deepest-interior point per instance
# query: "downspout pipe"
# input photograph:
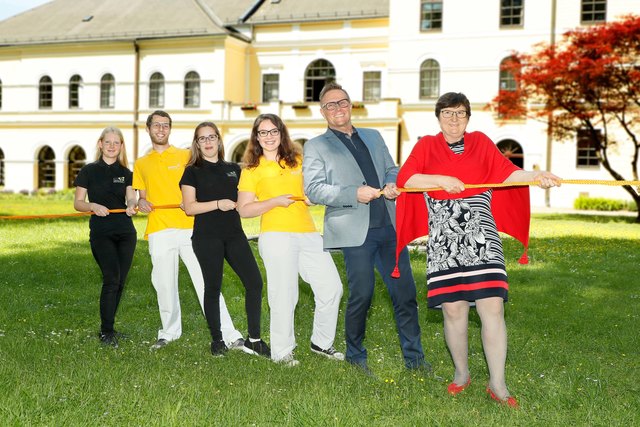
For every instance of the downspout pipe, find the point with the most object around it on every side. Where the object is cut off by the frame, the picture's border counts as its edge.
(552, 42)
(136, 97)
(252, 9)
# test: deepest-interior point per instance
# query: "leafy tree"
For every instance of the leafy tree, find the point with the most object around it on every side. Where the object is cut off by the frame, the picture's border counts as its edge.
(589, 81)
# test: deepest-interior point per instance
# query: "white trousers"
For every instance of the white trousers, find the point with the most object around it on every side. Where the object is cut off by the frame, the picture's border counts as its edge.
(165, 247)
(286, 255)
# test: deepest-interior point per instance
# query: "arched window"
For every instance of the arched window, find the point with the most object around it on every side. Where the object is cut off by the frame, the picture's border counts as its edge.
(238, 152)
(429, 79)
(46, 168)
(507, 77)
(1, 168)
(156, 90)
(512, 150)
(318, 73)
(77, 159)
(45, 93)
(299, 143)
(75, 84)
(107, 91)
(192, 89)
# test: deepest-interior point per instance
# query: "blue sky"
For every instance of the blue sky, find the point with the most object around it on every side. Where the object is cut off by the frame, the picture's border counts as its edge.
(13, 7)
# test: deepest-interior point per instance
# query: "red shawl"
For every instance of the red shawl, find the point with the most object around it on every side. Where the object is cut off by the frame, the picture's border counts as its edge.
(480, 163)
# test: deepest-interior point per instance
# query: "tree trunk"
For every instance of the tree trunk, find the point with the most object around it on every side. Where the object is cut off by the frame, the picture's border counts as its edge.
(629, 189)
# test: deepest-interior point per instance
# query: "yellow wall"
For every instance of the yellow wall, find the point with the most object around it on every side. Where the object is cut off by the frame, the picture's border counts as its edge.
(237, 84)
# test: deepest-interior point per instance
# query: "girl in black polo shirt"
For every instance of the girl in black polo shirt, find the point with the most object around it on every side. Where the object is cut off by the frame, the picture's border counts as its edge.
(107, 182)
(210, 192)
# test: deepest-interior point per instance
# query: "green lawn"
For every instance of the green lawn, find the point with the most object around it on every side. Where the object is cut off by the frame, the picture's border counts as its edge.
(572, 321)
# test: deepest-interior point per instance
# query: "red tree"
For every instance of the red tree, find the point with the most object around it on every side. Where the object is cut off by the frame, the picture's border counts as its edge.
(590, 80)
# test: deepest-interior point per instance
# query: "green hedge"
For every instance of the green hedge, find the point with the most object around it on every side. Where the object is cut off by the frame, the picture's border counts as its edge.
(602, 204)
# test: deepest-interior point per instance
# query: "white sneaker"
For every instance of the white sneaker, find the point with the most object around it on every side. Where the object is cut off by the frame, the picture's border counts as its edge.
(288, 360)
(330, 353)
(159, 344)
(236, 345)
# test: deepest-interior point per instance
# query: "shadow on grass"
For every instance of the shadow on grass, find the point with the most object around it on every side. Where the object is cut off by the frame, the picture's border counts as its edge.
(572, 324)
(592, 218)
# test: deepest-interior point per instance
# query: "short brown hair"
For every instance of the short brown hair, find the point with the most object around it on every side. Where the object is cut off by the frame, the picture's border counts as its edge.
(453, 99)
(332, 86)
(159, 113)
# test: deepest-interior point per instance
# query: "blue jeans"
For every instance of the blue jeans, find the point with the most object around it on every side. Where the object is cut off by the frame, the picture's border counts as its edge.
(378, 250)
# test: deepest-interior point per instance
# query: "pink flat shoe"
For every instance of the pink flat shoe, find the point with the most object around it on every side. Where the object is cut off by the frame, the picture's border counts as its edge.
(454, 388)
(509, 401)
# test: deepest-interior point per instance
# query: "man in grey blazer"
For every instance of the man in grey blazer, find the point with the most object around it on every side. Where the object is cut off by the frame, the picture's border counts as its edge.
(345, 169)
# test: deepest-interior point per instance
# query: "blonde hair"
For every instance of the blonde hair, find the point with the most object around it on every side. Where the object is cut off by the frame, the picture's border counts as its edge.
(122, 157)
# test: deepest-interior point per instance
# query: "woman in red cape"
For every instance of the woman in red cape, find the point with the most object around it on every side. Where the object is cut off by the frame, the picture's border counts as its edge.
(465, 260)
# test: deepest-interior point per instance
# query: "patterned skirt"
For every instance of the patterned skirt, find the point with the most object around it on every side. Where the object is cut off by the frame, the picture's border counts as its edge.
(465, 260)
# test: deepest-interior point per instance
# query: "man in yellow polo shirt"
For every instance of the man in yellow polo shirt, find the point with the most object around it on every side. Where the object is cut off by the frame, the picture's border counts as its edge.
(156, 177)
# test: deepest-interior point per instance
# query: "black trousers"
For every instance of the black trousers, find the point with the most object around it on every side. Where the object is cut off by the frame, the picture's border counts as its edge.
(114, 255)
(211, 253)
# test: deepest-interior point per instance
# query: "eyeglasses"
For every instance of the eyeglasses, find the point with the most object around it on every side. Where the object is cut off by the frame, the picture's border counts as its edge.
(158, 125)
(447, 114)
(343, 103)
(272, 132)
(209, 138)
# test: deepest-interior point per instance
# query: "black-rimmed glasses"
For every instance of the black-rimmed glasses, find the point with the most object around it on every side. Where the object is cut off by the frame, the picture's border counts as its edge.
(272, 132)
(209, 138)
(343, 103)
(158, 125)
(447, 114)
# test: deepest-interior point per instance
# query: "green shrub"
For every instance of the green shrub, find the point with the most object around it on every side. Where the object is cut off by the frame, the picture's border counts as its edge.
(603, 204)
(42, 194)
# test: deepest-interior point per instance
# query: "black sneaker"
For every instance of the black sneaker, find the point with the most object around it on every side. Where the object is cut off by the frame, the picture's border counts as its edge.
(363, 367)
(109, 339)
(259, 348)
(424, 369)
(120, 336)
(330, 353)
(218, 348)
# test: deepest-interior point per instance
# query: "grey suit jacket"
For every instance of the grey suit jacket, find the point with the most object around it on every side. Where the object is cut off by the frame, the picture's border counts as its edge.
(332, 177)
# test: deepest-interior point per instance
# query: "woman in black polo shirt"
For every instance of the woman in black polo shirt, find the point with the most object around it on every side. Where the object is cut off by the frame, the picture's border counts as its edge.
(210, 192)
(107, 182)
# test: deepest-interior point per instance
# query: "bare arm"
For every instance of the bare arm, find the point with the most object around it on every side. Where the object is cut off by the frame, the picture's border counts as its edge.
(81, 205)
(193, 207)
(543, 178)
(143, 204)
(131, 201)
(249, 207)
(449, 184)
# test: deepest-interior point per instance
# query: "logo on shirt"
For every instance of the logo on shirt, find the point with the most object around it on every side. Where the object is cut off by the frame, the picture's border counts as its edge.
(232, 174)
(118, 179)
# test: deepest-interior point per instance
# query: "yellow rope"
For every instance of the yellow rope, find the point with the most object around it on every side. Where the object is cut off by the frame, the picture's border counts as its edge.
(403, 190)
(50, 216)
(521, 184)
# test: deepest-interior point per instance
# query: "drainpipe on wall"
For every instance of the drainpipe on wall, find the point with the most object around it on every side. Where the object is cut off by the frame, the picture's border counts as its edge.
(552, 42)
(136, 97)
(399, 144)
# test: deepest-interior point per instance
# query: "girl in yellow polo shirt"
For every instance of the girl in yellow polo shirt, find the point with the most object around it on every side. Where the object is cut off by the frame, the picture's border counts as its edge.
(271, 187)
